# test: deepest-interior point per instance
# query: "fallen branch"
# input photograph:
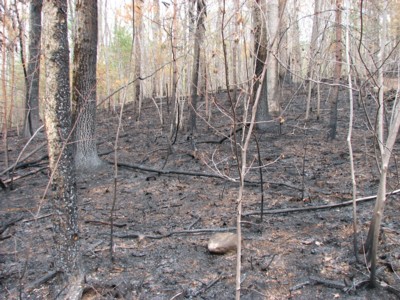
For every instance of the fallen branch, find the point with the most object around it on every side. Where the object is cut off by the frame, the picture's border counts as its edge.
(318, 207)
(204, 289)
(17, 164)
(42, 280)
(2, 185)
(196, 174)
(96, 222)
(329, 283)
(9, 223)
(161, 236)
(299, 285)
(25, 175)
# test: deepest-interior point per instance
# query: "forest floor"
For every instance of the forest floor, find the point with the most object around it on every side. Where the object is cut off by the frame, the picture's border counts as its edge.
(163, 219)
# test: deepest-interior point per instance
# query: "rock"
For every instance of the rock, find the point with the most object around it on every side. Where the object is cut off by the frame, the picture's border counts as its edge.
(222, 243)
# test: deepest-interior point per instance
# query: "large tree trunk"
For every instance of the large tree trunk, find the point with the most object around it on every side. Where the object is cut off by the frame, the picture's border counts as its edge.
(32, 119)
(84, 86)
(58, 129)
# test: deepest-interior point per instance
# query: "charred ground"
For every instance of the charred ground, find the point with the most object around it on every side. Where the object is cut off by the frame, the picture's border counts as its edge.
(160, 249)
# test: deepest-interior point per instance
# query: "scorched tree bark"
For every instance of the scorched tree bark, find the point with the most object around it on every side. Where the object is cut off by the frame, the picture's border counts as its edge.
(84, 85)
(58, 129)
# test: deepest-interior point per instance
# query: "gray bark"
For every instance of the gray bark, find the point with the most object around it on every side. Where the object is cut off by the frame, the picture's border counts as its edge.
(260, 50)
(84, 86)
(32, 119)
(198, 40)
(337, 73)
(58, 129)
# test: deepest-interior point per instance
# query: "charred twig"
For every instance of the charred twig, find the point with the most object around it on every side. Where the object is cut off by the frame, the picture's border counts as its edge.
(37, 218)
(25, 175)
(222, 139)
(9, 223)
(2, 185)
(329, 283)
(96, 222)
(299, 285)
(318, 207)
(42, 280)
(196, 174)
(203, 289)
(17, 164)
(194, 222)
(161, 236)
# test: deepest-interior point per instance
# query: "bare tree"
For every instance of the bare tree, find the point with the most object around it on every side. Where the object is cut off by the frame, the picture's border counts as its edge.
(385, 149)
(84, 85)
(58, 129)
(32, 119)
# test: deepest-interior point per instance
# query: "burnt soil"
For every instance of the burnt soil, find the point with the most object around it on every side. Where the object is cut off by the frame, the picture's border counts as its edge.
(160, 249)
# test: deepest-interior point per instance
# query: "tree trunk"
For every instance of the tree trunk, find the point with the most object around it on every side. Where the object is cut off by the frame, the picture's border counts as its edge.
(260, 49)
(175, 123)
(32, 119)
(58, 129)
(337, 72)
(84, 86)
(272, 57)
(311, 55)
(4, 84)
(198, 40)
(385, 148)
(156, 27)
(235, 49)
(138, 20)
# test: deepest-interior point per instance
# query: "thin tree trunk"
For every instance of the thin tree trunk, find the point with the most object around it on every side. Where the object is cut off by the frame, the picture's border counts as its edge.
(273, 24)
(194, 86)
(371, 244)
(32, 119)
(350, 132)
(311, 55)
(156, 82)
(337, 73)
(138, 20)
(260, 50)
(4, 85)
(175, 123)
